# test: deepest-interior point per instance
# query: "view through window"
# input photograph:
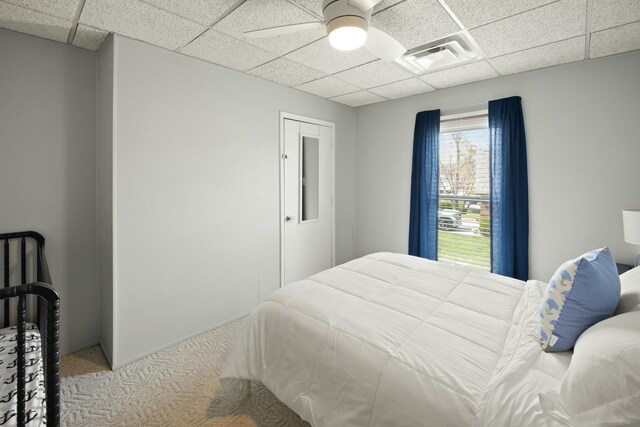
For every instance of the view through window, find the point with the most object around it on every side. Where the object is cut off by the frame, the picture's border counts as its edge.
(463, 208)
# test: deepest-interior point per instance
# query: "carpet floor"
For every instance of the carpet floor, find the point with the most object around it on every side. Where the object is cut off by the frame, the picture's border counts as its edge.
(87, 361)
(179, 386)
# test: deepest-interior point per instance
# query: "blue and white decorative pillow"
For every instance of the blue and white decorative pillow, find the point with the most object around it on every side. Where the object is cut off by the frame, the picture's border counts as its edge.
(582, 292)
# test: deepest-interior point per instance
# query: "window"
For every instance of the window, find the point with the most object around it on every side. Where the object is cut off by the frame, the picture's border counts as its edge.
(309, 179)
(463, 184)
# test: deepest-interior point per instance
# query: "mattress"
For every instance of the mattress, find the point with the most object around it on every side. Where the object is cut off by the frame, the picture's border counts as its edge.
(34, 386)
(391, 339)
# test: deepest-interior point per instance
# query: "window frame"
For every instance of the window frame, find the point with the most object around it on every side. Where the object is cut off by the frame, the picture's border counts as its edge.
(477, 118)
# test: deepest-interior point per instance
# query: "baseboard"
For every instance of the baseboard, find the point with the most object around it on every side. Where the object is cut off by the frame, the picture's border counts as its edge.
(84, 347)
(164, 347)
(106, 355)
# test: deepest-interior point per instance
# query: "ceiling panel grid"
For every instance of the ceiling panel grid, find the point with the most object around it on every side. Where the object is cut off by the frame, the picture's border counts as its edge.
(513, 36)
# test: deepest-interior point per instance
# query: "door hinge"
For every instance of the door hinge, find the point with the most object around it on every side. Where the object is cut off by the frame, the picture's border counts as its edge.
(285, 157)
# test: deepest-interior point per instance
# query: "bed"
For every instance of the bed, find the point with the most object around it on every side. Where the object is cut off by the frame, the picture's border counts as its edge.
(391, 339)
(29, 332)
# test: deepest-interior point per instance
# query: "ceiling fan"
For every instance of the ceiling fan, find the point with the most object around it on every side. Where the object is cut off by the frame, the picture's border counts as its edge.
(348, 28)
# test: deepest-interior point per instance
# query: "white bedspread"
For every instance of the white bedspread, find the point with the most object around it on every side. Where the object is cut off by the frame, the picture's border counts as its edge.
(394, 340)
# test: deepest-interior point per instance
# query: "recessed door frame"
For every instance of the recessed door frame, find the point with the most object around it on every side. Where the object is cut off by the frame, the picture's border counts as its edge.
(291, 116)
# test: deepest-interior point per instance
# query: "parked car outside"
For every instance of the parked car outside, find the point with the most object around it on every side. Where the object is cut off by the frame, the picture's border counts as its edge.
(449, 219)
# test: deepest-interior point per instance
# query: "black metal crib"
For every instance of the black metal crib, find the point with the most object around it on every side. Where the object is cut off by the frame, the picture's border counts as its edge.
(24, 254)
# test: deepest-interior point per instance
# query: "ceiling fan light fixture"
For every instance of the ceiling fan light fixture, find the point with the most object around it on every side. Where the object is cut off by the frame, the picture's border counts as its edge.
(347, 32)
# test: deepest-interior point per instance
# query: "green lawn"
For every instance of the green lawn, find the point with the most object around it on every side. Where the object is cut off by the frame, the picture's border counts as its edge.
(472, 251)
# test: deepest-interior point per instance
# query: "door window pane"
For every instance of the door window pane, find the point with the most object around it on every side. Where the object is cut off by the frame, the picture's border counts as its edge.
(310, 169)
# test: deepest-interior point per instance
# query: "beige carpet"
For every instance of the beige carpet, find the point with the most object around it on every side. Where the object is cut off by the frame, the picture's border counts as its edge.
(177, 387)
(84, 362)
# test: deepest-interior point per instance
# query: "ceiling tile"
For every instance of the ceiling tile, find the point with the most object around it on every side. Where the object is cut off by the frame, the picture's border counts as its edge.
(611, 13)
(27, 21)
(539, 57)
(328, 87)
(321, 56)
(373, 74)
(384, 4)
(65, 9)
(89, 38)
(412, 86)
(204, 12)
(478, 12)
(286, 72)
(357, 99)
(222, 49)
(615, 40)
(415, 22)
(140, 21)
(315, 6)
(463, 74)
(257, 14)
(547, 24)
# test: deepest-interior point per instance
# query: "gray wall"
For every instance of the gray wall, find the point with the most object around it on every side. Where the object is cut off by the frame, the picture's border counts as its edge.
(48, 168)
(197, 193)
(105, 192)
(582, 123)
(196, 177)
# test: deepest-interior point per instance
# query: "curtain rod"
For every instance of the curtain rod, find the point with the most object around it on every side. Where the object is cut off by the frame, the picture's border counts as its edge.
(467, 112)
(468, 106)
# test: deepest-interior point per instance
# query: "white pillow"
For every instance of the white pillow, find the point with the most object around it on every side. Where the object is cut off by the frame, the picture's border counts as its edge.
(602, 385)
(629, 291)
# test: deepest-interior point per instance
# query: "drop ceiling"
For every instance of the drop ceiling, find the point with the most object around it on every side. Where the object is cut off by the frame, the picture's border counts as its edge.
(513, 36)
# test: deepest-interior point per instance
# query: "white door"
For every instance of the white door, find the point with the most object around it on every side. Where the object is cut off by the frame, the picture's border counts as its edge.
(307, 217)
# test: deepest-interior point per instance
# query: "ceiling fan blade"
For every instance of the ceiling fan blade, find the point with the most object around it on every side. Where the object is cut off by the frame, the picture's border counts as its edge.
(383, 45)
(364, 5)
(284, 29)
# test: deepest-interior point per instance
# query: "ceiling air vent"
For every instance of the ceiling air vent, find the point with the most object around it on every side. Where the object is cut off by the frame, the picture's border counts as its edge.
(446, 52)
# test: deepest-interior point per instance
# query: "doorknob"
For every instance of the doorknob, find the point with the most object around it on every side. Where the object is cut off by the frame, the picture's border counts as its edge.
(288, 218)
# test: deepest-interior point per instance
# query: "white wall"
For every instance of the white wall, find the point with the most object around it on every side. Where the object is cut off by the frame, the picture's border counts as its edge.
(104, 122)
(583, 127)
(48, 168)
(197, 193)
(196, 175)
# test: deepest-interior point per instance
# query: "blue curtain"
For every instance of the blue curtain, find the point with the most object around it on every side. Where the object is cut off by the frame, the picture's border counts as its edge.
(509, 189)
(423, 219)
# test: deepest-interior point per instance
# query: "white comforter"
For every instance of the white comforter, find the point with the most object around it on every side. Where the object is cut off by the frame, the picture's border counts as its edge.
(394, 340)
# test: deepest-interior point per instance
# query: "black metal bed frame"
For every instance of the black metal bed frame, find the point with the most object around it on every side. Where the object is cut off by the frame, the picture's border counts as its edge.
(47, 315)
